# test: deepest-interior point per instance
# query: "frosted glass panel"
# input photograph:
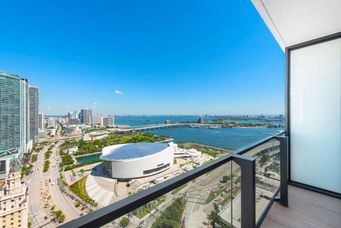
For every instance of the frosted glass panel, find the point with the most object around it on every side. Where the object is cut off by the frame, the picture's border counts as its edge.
(315, 119)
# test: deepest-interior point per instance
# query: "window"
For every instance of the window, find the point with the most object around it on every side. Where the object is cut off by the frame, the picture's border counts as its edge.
(150, 171)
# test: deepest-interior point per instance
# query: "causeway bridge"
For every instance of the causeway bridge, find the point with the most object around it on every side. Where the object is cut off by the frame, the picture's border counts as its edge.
(154, 126)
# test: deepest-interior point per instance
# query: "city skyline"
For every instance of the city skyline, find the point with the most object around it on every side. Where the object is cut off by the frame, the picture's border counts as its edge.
(149, 61)
(155, 114)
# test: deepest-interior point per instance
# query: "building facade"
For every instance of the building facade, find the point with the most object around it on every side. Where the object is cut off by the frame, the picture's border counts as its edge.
(41, 119)
(108, 121)
(98, 119)
(13, 202)
(73, 121)
(14, 116)
(86, 116)
(25, 117)
(72, 115)
(51, 122)
(136, 160)
(34, 113)
(201, 120)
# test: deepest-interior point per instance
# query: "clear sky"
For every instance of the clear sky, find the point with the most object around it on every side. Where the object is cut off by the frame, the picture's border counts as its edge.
(144, 57)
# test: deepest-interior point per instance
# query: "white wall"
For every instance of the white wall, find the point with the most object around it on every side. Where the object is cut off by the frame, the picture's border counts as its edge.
(133, 168)
(296, 21)
(315, 113)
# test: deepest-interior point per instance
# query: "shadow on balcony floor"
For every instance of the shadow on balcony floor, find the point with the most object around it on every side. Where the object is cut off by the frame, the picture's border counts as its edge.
(306, 209)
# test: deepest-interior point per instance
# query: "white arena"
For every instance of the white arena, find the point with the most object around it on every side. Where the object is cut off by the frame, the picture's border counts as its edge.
(137, 160)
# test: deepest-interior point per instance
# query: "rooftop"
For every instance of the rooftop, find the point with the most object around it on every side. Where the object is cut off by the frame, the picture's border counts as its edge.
(132, 151)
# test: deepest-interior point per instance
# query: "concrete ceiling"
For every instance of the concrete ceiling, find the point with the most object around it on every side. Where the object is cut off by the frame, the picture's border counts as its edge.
(295, 21)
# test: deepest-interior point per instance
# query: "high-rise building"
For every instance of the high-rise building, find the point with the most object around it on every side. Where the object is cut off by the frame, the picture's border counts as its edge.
(201, 120)
(51, 122)
(72, 115)
(41, 120)
(14, 113)
(34, 110)
(13, 201)
(25, 116)
(108, 121)
(97, 119)
(86, 116)
(73, 121)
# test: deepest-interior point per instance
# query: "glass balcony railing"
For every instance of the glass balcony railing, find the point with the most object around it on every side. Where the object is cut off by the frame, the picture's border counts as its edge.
(268, 176)
(236, 190)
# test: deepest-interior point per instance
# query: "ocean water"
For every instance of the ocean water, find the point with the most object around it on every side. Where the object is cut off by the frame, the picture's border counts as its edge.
(148, 120)
(229, 138)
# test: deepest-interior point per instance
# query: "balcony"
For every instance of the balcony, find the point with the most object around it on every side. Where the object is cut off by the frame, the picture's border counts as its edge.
(236, 190)
(306, 209)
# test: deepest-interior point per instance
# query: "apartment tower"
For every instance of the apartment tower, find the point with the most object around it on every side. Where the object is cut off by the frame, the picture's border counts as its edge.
(86, 116)
(14, 116)
(34, 113)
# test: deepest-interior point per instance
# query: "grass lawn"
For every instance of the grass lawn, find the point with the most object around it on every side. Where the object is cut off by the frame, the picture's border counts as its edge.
(172, 215)
(143, 211)
(46, 166)
(214, 195)
(88, 147)
(79, 189)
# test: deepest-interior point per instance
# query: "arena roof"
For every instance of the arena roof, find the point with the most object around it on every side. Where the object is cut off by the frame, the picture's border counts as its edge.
(132, 151)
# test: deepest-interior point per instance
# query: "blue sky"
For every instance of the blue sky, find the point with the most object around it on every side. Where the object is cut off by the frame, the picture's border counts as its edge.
(164, 57)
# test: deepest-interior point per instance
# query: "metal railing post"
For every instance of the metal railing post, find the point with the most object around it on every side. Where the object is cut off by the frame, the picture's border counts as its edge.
(283, 170)
(248, 190)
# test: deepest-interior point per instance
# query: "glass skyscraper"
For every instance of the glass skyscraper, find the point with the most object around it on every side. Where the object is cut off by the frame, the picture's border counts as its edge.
(86, 116)
(34, 113)
(14, 112)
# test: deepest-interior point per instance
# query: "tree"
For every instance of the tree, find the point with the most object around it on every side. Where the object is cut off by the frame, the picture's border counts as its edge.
(124, 222)
(264, 159)
(225, 179)
(214, 216)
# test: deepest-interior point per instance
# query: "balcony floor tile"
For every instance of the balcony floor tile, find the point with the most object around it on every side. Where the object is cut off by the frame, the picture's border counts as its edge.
(306, 209)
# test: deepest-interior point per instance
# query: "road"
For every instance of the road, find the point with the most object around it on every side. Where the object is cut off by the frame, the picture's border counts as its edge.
(195, 194)
(62, 202)
(37, 213)
(36, 181)
(197, 210)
